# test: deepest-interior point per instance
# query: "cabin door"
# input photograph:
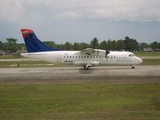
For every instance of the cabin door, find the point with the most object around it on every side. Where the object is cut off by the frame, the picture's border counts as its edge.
(58, 59)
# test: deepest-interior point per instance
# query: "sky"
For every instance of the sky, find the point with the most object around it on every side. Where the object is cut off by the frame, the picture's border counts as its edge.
(81, 20)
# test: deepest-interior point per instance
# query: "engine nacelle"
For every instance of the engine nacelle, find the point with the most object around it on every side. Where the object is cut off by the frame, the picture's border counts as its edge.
(99, 52)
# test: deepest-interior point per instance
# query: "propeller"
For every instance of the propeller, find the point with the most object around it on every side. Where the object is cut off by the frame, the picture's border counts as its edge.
(107, 52)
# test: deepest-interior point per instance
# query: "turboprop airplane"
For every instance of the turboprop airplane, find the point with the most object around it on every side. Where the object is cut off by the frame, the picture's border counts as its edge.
(87, 57)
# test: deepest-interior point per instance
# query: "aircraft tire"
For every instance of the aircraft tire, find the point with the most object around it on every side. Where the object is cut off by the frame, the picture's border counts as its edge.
(133, 66)
(85, 67)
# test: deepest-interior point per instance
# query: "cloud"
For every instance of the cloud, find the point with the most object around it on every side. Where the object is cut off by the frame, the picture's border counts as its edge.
(81, 20)
(10, 10)
(41, 10)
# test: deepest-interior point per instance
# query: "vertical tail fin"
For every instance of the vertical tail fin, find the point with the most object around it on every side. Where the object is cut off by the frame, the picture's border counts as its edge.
(33, 44)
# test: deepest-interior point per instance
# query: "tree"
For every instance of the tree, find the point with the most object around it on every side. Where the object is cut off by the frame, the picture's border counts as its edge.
(109, 44)
(103, 45)
(120, 45)
(67, 46)
(11, 40)
(50, 43)
(154, 45)
(11, 45)
(1, 45)
(130, 44)
(113, 45)
(76, 46)
(94, 43)
(158, 45)
(143, 45)
(83, 46)
(60, 46)
(133, 45)
(21, 46)
(127, 42)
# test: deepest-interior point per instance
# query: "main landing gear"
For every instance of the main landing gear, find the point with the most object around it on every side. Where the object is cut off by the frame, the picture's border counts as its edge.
(86, 67)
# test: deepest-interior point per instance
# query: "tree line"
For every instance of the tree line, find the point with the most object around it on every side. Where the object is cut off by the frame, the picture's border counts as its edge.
(127, 44)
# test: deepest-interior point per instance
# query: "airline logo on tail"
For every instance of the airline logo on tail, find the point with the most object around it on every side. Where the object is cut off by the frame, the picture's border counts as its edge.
(26, 32)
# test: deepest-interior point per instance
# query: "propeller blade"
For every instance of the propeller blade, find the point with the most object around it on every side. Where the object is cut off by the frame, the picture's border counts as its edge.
(107, 52)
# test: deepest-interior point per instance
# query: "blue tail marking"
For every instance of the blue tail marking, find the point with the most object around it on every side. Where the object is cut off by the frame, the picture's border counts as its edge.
(33, 44)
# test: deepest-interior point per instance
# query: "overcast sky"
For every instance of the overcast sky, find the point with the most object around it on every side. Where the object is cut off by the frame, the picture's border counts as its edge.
(81, 20)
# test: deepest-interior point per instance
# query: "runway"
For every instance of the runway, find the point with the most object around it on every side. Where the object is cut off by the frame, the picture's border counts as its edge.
(76, 75)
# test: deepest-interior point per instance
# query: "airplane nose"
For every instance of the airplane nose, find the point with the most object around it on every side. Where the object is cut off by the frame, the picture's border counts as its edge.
(139, 60)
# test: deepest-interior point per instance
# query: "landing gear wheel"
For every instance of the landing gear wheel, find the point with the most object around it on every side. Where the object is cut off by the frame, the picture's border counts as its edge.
(86, 67)
(132, 66)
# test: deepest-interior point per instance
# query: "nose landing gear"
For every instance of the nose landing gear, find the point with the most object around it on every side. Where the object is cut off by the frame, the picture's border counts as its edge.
(132, 66)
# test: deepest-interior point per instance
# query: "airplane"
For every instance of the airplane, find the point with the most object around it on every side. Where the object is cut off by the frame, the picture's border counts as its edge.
(87, 57)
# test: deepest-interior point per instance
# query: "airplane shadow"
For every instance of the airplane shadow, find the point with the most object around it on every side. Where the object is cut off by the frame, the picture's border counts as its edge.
(96, 69)
(90, 70)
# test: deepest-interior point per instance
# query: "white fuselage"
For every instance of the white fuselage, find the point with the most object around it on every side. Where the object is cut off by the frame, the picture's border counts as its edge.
(79, 58)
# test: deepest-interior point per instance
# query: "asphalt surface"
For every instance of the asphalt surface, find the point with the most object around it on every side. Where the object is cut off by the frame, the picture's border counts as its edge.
(76, 75)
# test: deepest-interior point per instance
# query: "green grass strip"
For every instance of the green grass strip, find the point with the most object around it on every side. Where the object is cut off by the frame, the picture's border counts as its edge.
(145, 54)
(85, 101)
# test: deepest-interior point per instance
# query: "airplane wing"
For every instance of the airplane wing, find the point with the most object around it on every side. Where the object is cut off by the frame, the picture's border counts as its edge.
(94, 52)
(88, 51)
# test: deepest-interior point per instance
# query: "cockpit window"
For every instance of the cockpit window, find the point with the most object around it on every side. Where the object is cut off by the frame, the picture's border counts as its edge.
(131, 55)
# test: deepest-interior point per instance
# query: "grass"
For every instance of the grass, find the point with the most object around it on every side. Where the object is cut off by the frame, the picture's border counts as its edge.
(85, 101)
(8, 64)
(10, 56)
(151, 62)
(145, 54)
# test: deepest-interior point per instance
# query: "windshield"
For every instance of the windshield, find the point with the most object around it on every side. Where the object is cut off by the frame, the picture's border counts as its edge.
(131, 55)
